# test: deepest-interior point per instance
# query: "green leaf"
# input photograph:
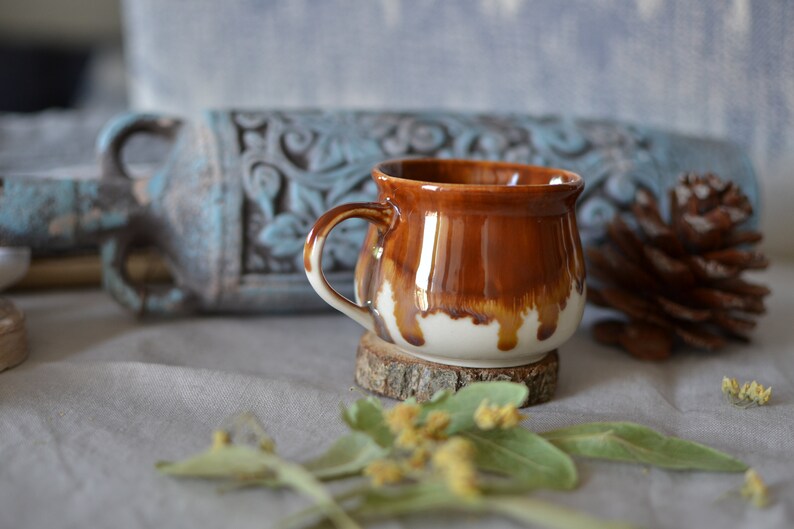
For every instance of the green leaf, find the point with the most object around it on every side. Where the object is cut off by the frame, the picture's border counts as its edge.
(366, 415)
(534, 511)
(440, 395)
(412, 499)
(237, 462)
(299, 518)
(245, 462)
(462, 405)
(346, 457)
(301, 480)
(524, 456)
(407, 499)
(626, 441)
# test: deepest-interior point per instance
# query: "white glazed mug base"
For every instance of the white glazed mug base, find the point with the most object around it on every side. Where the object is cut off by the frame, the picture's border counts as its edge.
(470, 363)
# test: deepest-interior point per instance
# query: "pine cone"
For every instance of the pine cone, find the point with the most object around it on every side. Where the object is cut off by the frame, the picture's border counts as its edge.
(679, 281)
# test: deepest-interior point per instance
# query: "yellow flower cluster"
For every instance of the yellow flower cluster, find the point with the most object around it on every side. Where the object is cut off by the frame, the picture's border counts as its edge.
(424, 446)
(747, 395)
(755, 489)
(489, 417)
(419, 457)
(402, 417)
(730, 386)
(454, 459)
(384, 472)
(403, 422)
(436, 425)
(220, 438)
(755, 392)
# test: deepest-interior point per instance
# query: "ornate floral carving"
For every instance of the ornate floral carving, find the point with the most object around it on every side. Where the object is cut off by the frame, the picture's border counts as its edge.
(296, 165)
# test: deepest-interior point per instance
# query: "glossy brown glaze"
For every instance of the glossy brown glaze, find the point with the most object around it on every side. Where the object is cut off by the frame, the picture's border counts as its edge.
(472, 239)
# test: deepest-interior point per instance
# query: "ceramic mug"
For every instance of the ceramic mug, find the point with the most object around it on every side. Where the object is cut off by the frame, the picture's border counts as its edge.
(469, 263)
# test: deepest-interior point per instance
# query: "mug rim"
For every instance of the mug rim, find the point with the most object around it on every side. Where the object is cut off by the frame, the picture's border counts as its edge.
(575, 182)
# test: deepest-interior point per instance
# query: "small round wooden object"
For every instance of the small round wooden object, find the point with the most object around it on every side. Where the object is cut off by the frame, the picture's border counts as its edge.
(382, 368)
(13, 336)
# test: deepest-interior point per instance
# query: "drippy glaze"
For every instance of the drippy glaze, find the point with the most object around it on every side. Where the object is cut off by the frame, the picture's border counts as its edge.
(486, 241)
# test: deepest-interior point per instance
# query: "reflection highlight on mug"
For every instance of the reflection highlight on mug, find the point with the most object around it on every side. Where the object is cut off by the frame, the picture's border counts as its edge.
(423, 271)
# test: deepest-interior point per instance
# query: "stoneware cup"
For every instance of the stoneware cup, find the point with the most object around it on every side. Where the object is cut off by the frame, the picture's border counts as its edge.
(468, 263)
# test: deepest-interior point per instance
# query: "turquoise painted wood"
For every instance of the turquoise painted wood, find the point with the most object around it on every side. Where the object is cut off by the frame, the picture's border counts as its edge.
(231, 205)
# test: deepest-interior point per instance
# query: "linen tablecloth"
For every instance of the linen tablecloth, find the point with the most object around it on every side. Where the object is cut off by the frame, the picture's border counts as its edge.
(104, 396)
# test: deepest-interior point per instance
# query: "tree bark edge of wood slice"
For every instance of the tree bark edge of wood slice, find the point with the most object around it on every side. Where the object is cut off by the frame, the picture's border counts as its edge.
(383, 369)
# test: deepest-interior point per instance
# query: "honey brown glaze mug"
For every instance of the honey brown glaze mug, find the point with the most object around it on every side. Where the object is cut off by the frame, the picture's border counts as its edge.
(469, 263)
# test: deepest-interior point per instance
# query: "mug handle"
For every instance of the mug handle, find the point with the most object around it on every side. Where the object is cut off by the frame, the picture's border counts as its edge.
(375, 212)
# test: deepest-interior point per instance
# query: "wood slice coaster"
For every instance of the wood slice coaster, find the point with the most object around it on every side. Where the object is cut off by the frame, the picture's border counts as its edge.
(384, 369)
(13, 335)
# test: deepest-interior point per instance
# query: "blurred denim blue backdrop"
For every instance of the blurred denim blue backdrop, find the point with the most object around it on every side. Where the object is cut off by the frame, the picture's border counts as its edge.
(723, 68)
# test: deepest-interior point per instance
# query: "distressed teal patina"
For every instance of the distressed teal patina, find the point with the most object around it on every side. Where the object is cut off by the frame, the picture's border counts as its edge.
(232, 203)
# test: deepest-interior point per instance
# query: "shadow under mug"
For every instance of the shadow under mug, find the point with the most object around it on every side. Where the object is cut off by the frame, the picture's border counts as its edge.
(468, 263)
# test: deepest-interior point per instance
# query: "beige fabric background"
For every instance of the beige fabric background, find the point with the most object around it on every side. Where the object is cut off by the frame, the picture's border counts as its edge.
(103, 397)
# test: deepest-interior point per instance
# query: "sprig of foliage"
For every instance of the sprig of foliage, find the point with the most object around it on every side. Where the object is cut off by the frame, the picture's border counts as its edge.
(747, 395)
(245, 463)
(463, 452)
